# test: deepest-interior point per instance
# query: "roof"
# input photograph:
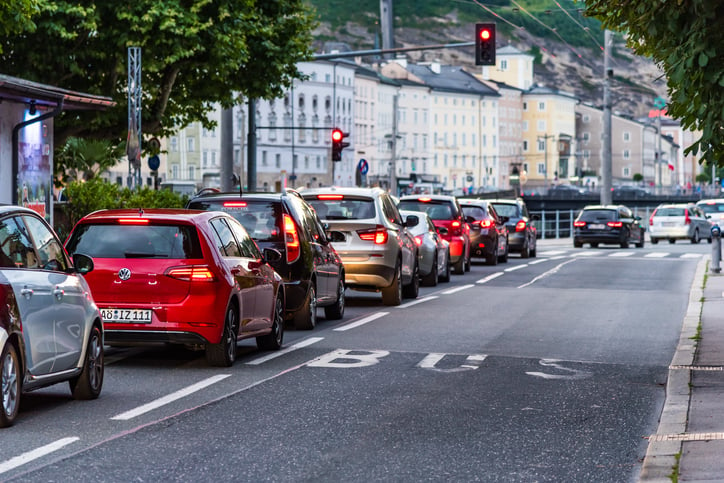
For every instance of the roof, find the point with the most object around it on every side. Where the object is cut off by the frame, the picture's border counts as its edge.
(452, 79)
(23, 91)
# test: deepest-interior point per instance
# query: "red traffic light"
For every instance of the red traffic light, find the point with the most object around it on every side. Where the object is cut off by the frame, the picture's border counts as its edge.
(484, 34)
(337, 135)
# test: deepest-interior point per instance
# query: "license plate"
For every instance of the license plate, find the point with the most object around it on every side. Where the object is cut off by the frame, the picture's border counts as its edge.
(596, 226)
(131, 316)
(668, 223)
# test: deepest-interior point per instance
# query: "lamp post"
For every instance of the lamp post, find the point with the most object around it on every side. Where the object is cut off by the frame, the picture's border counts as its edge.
(643, 149)
(545, 139)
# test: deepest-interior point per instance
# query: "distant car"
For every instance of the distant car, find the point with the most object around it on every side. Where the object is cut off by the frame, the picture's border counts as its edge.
(181, 276)
(679, 221)
(608, 224)
(433, 250)
(488, 233)
(713, 209)
(628, 192)
(522, 232)
(446, 214)
(50, 329)
(378, 251)
(312, 270)
(566, 191)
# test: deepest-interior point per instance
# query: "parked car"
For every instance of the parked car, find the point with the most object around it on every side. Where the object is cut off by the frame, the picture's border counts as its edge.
(566, 191)
(488, 233)
(378, 252)
(624, 192)
(446, 214)
(522, 232)
(679, 221)
(181, 276)
(50, 329)
(312, 270)
(433, 250)
(612, 224)
(713, 209)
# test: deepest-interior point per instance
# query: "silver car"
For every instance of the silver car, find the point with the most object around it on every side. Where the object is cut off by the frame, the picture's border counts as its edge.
(679, 221)
(378, 252)
(50, 328)
(433, 250)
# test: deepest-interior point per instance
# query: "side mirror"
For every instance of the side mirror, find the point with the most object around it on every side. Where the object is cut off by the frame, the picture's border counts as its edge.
(534, 217)
(504, 219)
(637, 218)
(469, 219)
(270, 255)
(336, 236)
(82, 263)
(412, 220)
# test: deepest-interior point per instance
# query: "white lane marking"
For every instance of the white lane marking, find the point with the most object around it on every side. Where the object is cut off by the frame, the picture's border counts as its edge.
(367, 319)
(181, 393)
(540, 260)
(517, 267)
(587, 253)
(29, 456)
(656, 255)
(621, 254)
(490, 277)
(274, 355)
(457, 289)
(551, 252)
(692, 255)
(574, 374)
(431, 360)
(417, 301)
(545, 274)
(559, 257)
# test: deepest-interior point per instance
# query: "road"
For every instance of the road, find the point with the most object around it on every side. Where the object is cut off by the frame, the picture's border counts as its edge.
(545, 369)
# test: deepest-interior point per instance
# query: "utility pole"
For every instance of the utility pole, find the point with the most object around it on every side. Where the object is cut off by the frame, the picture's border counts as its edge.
(227, 149)
(606, 163)
(386, 24)
(393, 147)
(133, 143)
(251, 147)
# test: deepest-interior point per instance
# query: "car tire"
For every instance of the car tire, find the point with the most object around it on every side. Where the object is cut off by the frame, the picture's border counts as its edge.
(624, 240)
(654, 241)
(89, 383)
(445, 275)
(525, 251)
(504, 257)
(430, 280)
(696, 238)
(223, 354)
(468, 262)
(459, 267)
(274, 340)
(306, 317)
(642, 240)
(412, 289)
(594, 245)
(672, 240)
(492, 259)
(577, 244)
(10, 388)
(392, 295)
(336, 310)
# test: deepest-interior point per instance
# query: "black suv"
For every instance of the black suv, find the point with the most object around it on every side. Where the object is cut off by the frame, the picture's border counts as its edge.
(521, 229)
(615, 224)
(312, 270)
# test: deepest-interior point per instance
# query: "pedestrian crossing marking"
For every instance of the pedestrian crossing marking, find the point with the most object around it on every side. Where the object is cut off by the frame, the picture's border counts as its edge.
(657, 255)
(622, 254)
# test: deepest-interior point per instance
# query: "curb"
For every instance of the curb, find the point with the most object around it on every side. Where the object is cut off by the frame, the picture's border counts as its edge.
(662, 456)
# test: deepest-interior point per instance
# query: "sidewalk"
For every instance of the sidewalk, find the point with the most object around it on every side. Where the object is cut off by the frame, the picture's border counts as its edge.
(690, 437)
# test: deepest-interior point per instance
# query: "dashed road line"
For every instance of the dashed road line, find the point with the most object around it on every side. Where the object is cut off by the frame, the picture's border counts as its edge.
(29, 456)
(490, 277)
(286, 350)
(457, 289)
(656, 255)
(174, 396)
(516, 267)
(363, 321)
(549, 272)
(417, 301)
(692, 255)
(622, 254)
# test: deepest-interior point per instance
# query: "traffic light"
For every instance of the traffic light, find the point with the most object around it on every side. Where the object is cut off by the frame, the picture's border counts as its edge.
(338, 143)
(485, 44)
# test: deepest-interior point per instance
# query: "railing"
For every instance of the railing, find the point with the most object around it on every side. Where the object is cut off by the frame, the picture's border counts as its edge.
(559, 223)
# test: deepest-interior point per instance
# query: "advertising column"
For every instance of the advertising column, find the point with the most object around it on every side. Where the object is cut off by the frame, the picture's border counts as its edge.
(35, 166)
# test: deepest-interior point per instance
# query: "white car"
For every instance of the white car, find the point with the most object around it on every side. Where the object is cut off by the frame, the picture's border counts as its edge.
(713, 209)
(679, 221)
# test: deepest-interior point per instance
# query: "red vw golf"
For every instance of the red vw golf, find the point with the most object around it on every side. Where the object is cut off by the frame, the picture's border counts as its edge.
(181, 276)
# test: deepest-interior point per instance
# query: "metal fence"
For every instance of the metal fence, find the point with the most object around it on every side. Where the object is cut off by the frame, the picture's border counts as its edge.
(559, 223)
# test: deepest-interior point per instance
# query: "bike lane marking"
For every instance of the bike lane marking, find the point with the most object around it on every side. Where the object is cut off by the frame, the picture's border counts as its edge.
(286, 350)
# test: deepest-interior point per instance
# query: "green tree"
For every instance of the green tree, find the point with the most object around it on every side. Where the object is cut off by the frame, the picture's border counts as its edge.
(686, 39)
(194, 54)
(82, 159)
(16, 17)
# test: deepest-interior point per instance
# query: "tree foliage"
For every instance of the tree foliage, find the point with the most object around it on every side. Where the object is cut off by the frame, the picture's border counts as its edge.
(82, 159)
(16, 17)
(195, 53)
(686, 39)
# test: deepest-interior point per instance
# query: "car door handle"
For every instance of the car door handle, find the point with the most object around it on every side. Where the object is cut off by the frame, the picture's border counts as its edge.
(26, 292)
(59, 292)
(235, 271)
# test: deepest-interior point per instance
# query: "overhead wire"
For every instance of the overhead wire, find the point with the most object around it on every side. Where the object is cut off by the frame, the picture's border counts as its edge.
(522, 9)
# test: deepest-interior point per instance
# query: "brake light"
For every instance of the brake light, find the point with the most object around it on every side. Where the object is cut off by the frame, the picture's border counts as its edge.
(687, 220)
(615, 224)
(456, 228)
(486, 223)
(198, 273)
(419, 239)
(378, 235)
(579, 224)
(520, 226)
(424, 199)
(133, 221)
(234, 204)
(330, 197)
(291, 238)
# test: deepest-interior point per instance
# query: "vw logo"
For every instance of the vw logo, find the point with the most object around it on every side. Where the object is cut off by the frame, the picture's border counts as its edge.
(124, 274)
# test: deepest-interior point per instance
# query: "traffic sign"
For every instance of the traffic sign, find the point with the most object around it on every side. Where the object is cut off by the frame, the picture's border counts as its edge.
(154, 162)
(362, 166)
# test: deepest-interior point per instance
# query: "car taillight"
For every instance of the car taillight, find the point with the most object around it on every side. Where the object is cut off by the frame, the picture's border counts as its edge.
(456, 228)
(291, 238)
(579, 224)
(419, 239)
(198, 273)
(378, 235)
(615, 224)
(520, 226)
(133, 221)
(234, 204)
(687, 220)
(651, 219)
(486, 223)
(330, 197)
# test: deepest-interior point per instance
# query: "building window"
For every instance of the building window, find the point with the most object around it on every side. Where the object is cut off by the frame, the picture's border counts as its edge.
(626, 136)
(277, 160)
(525, 145)
(542, 125)
(626, 172)
(190, 144)
(525, 126)
(541, 145)
(174, 144)
(626, 154)
(586, 118)
(541, 168)
(264, 160)
(525, 106)
(541, 106)
(504, 64)
(586, 137)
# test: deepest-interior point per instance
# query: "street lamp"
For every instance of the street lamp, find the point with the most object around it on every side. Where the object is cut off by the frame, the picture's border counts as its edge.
(545, 139)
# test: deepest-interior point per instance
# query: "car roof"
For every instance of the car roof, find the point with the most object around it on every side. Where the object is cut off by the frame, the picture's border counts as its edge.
(710, 201)
(4, 209)
(155, 214)
(508, 201)
(603, 207)
(343, 190)
(235, 195)
(426, 196)
(474, 201)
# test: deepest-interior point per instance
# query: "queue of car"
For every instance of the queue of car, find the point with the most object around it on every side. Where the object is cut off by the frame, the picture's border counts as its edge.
(230, 266)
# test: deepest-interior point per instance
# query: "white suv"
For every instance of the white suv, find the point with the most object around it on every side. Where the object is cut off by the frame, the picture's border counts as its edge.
(679, 221)
(366, 229)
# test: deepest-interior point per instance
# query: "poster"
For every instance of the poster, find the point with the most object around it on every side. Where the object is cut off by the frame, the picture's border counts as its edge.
(35, 170)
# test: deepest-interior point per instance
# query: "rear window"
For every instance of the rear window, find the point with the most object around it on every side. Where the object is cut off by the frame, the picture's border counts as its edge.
(505, 209)
(345, 208)
(475, 211)
(135, 241)
(712, 208)
(260, 218)
(598, 215)
(670, 212)
(440, 210)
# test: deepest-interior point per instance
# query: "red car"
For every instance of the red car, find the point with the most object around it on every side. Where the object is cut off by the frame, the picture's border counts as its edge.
(181, 276)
